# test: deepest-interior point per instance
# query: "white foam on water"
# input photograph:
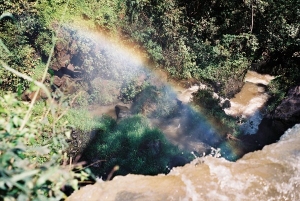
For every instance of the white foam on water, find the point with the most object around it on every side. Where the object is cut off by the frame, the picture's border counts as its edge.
(187, 95)
(247, 108)
(257, 78)
(272, 173)
(191, 192)
(249, 102)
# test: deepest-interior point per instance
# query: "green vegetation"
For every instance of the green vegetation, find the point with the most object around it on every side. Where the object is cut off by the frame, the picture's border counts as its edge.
(217, 41)
(133, 146)
(30, 158)
(212, 110)
(130, 89)
(156, 102)
(214, 42)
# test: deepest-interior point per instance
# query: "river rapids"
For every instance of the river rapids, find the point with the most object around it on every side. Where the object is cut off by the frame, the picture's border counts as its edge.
(272, 173)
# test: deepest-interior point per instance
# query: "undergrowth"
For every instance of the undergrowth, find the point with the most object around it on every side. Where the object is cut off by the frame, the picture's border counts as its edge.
(133, 147)
(32, 162)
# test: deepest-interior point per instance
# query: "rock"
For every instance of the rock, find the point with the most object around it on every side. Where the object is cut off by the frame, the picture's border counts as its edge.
(74, 143)
(122, 111)
(24, 96)
(289, 108)
(271, 128)
(57, 81)
(70, 67)
(64, 59)
(177, 161)
(74, 134)
(226, 104)
(43, 94)
(68, 85)
(28, 96)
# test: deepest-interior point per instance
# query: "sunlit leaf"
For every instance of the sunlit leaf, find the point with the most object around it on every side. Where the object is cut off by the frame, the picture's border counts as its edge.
(24, 175)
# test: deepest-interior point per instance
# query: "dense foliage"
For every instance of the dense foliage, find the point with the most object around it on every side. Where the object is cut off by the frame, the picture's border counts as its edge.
(218, 40)
(214, 42)
(31, 158)
(133, 146)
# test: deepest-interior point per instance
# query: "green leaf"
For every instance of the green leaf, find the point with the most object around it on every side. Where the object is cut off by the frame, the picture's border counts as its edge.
(16, 120)
(46, 176)
(24, 175)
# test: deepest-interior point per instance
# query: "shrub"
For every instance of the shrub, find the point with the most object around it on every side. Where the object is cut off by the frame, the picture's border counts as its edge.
(157, 102)
(130, 89)
(212, 110)
(30, 158)
(133, 146)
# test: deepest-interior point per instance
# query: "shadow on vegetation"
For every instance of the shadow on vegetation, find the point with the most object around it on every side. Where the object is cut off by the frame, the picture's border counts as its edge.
(133, 147)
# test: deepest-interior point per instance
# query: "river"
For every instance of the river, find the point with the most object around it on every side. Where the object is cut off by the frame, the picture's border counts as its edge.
(249, 103)
(269, 174)
(272, 173)
(181, 130)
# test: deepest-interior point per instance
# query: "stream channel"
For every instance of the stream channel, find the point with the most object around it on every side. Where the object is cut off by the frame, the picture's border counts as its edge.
(268, 174)
(247, 106)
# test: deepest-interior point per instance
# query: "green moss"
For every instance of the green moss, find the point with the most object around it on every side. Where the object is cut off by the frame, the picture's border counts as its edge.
(133, 146)
(81, 119)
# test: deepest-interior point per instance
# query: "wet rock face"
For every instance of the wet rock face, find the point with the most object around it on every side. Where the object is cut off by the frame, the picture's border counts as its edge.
(122, 111)
(72, 61)
(286, 115)
(226, 104)
(289, 109)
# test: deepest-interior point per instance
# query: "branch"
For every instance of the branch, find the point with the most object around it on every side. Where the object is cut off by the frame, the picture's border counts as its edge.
(252, 17)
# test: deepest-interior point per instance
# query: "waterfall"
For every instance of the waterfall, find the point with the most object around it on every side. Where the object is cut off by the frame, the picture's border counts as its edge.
(269, 174)
(249, 102)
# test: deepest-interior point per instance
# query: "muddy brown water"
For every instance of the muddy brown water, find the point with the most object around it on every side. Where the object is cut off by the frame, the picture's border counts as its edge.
(252, 96)
(247, 105)
(268, 174)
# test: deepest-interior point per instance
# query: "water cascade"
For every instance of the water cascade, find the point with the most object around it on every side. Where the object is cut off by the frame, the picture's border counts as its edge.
(269, 174)
(249, 102)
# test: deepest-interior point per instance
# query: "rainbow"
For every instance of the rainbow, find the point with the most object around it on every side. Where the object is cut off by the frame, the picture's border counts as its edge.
(127, 61)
